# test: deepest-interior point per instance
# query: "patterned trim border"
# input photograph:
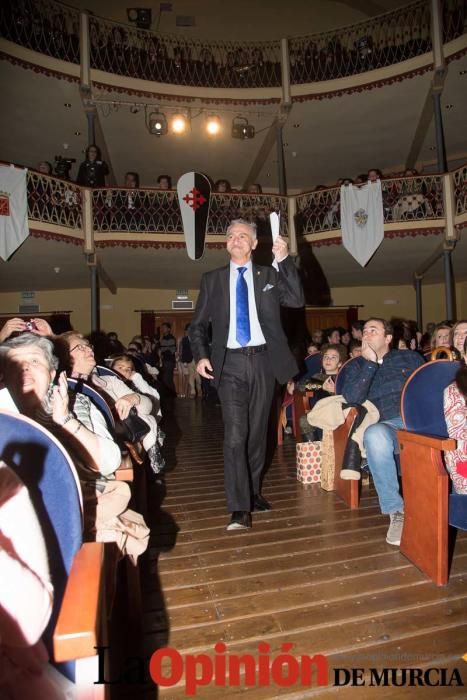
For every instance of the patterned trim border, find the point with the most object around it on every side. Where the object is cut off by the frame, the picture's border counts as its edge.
(49, 236)
(151, 244)
(403, 233)
(216, 100)
(38, 69)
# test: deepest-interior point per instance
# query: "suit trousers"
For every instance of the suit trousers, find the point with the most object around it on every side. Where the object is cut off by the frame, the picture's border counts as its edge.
(245, 391)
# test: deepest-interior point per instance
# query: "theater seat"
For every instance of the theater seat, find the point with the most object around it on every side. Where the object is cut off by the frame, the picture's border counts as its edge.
(51, 479)
(425, 481)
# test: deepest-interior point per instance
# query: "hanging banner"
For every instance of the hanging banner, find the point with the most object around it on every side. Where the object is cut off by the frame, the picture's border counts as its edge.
(194, 192)
(13, 210)
(362, 220)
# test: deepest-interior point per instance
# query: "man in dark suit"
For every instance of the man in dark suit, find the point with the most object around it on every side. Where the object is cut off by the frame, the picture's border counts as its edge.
(249, 352)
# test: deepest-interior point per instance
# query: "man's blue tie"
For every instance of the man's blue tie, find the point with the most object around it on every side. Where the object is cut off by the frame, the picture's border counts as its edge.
(243, 314)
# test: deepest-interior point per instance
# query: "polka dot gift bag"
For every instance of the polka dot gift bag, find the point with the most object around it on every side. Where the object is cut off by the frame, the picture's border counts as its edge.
(309, 462)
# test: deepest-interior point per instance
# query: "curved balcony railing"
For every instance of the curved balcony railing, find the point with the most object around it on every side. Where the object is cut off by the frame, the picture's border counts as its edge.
(156, 211)
(136, 53)
(382, 41)
(459, 178)
(123, 211)
(54, 201)
(404, 199)
(45, 26)
(52, 28)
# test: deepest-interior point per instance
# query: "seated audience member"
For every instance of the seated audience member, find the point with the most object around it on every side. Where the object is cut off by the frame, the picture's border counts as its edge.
(312, 348)
(455, 413)
(82, 365)
(26, 596)
(345, 337)
(164, 182)
(135, 349)
(124, 366)
(129, 203)
(323, 383)
(222, 187)
(333, 336)
(115, 344)
(355, 348)
(379, 376)
(93, 170)
(29, 369)
(356, 328)
(317, 336)
(459, 334)
(255, 188)
(374, 174)
(441, 336)
(45, 167)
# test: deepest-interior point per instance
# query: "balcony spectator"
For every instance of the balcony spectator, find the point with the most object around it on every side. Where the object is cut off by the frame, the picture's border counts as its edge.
(93, 170)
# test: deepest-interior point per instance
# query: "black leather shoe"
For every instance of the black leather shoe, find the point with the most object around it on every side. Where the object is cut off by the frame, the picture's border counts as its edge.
(260, 504)
(240, 520)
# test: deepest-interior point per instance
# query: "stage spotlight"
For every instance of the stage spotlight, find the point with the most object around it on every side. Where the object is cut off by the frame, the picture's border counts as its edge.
(141, 16)
(157, 124)
(241, 129)
(179, 123)
(213, 125)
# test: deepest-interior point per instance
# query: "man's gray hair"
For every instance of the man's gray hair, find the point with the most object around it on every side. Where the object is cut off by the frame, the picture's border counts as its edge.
(25, 339)
(244, 222)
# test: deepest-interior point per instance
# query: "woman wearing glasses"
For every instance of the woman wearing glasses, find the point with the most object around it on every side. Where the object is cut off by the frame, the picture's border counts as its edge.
(81, 364)
(29, 370)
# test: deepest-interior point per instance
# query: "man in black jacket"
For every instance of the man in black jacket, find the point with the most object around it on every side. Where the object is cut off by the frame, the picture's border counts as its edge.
(249, 352)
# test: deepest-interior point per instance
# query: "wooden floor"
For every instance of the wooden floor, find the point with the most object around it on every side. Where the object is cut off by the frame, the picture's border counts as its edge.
(310, 573)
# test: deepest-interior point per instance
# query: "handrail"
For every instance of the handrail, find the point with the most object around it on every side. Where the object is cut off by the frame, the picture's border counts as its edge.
(148, 210)
(52, 28)
(404, 199)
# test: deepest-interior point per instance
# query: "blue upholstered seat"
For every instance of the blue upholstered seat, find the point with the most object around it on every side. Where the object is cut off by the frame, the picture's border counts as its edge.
(96, 398)
(47, 471)
(312, 364)
(340, 379)
(422, 412)
(106, 371)
(422, 397)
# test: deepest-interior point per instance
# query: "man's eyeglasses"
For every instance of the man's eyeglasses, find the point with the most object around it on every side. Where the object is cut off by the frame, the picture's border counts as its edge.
(82, 347)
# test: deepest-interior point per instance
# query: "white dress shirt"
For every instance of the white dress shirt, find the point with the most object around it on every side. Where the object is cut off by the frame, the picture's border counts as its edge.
(257, 337)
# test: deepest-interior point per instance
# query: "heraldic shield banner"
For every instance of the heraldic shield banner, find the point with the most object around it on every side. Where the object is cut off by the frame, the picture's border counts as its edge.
(194, 192)
(13, 210)
(362, 220)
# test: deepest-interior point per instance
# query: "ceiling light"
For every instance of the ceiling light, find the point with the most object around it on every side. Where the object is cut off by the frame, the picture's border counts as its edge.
(157, 124)
(213, 125)
(179, 123)
(241, 129)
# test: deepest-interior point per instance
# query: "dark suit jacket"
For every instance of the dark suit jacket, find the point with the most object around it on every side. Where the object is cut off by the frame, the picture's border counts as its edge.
(272, 289)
